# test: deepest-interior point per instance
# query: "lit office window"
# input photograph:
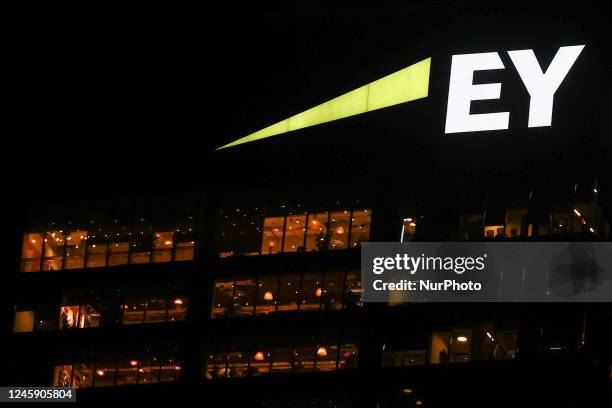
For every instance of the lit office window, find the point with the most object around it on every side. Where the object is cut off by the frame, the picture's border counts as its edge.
(317, 238)
(31, 252)
(170, 369)
(282, 360)
(69, 317)
(97, 247)
(141, 241)
(451, 347)
(295, 230)
(259, 362)
(223, 300)
(162, 246)
(272, 237)
(266, 295)
(238, 364)
(360, 227)
(54, 243)
(148, 370)
(339, 229)
(352, 289)
(156, 310)
(327, 357)
(62, 376)
(216, 366)
(89, 316)
(440, 346)
(76, 244)
(184, 233)
(304, 358)
(177, 309)
(289, 292)
(311, 291)
(133, 312)
(244, 296)
(106, 368)
(333, 287)
(24, 321)
(83, 375)
(495, 344)
(127, 370)
(348, 356)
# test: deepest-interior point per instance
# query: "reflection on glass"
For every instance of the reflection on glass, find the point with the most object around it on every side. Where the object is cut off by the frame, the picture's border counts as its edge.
(259, 362)
(360, 229)
(288, 294)
(317, 238)
(96, 252)
(216, 366)
(326, 356)
(148, 371)
(352, 290)
(339, 229)
(31, 252)
(170, 369)
(105, 373)
(76, 243)
(348, 356)
(304, 358)
(294, 233)
(177, 309)
(272, 237)
(311, 291)
(89, 316)
(237, 365)
(266, 295)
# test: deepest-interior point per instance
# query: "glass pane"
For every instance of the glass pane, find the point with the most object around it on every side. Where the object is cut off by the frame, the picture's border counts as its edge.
(440, 348)
(105, 373)
(177, 309)
(184, 234)
(141, 241)
(244, 297)
(304, 358)
(133, 312)
(327, 355)
(148, 372)
(352, 289)
(311, 291)
(317, 238)
(127, 371)
(156, 310)
(360, 229)
(118, 253)
(162, 246)
(62, 374)
(239, 231)
(170, 369)
(119, 240)
(83, 375)
(339, 229)
(288, 296)
(89, 316)
(333, 287)
(31, 252)
(348, 356)
(216, 366)
(53, 250)
(97, 243)
(266, 295)
(282, 360)
(223, 300)
(294, 233)
(183, 251)
(238, 364)
(24, 321)
(259, 362)
(272, 235)
(69, 316)
(461, 346)
(76, 242)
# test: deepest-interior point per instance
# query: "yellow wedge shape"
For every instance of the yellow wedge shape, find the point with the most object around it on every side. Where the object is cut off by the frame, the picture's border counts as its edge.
(402, 86)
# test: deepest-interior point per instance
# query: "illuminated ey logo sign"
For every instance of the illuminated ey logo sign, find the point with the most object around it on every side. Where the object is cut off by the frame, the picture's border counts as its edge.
(540, 85)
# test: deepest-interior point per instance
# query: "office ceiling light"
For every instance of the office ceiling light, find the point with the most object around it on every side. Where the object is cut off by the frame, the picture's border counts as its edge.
(462, 339)
(268, 296)
(405, 85)
(322, 351)
(178, 301)
(259, 356)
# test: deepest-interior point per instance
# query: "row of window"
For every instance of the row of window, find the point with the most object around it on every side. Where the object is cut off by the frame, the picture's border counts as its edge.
(297, 358)
(245, 296)
(453, 346)
(136, 310)
(248, 232)
(148, 367)
(59, 250)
